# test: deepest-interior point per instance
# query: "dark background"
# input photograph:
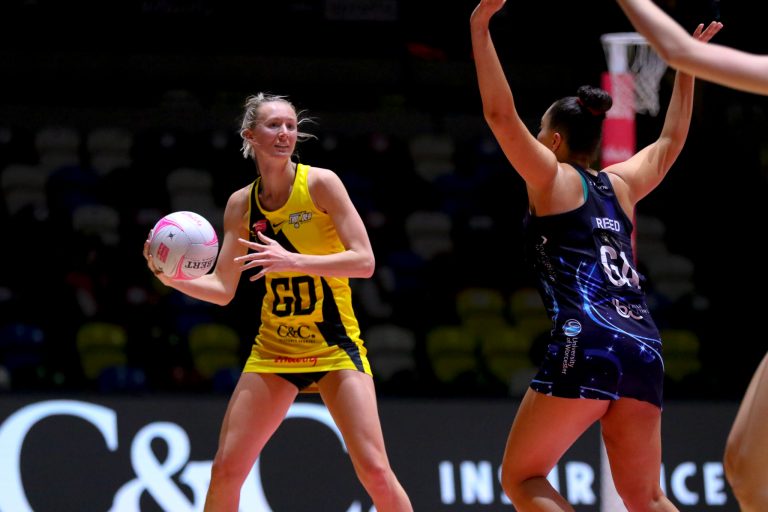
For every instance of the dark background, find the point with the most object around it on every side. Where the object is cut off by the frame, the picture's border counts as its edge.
(375, 75)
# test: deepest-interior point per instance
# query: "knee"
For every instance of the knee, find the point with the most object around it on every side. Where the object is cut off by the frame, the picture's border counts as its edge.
(733, 464)
(750, 492)
(509, 480)
(375, 475)
(641, 497)
(513, 482)
(229, 470)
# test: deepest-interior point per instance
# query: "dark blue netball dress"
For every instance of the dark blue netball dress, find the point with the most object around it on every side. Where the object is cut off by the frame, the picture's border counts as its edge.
(604, 344)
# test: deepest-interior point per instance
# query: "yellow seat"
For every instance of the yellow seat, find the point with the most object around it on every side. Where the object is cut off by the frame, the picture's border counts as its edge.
(101, 345)
(506, 354)
(528, 312)
(214, 347)
(480, 309)
(452, 352)
(681, 353)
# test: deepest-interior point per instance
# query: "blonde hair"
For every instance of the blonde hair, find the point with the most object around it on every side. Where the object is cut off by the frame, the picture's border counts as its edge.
(251, 117)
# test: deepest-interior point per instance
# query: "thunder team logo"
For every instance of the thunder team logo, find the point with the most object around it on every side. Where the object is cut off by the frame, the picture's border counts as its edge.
(299, 218)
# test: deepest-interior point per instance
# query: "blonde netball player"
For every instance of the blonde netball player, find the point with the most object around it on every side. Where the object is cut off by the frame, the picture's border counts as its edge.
(604, 360)
(746, 451)
(297, 228)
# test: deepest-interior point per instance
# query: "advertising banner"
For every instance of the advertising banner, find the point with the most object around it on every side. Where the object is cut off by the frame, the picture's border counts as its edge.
(130, 454)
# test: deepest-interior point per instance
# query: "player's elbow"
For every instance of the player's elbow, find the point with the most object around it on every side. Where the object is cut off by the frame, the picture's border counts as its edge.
(505, 125)
(367, 266)
(223, 299)
(662, 168)
(497, 118)
(676, 55)
(370, 266)
(671, 152)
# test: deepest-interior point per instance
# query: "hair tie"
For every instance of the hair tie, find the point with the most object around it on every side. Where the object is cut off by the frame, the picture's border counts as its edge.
(592, 110)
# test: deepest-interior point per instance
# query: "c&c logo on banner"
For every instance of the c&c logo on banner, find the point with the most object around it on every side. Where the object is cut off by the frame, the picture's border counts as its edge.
(152, 475)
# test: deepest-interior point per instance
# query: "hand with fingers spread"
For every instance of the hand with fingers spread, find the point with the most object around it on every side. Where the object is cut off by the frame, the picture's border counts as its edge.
(269, 255)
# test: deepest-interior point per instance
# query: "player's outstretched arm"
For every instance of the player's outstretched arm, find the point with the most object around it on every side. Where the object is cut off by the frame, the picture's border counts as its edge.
(644, 171)
(716, 63)
(536, 164)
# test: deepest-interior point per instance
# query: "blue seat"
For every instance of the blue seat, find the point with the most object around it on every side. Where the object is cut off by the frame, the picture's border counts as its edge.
(122, 379)
(22, 354)
(224, 380)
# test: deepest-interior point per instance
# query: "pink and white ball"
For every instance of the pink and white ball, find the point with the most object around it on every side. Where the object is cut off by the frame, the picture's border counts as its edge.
(183, 245)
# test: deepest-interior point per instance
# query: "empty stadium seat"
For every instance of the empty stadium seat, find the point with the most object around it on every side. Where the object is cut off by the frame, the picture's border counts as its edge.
(214, 347)
(391, 350)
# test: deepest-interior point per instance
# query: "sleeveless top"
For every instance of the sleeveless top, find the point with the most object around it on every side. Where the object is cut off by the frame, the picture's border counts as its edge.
(604, 343)
(307, 321)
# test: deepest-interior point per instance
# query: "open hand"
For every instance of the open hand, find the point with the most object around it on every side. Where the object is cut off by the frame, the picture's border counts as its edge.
(269, 255)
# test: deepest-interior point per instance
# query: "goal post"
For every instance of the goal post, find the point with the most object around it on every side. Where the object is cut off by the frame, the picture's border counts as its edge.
(633, 78)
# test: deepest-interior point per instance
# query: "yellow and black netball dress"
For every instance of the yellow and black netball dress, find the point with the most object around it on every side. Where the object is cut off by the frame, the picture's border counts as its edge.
(307, 321)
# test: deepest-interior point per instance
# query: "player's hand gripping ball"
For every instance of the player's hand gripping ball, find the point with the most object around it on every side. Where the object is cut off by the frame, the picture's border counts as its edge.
(183, 245)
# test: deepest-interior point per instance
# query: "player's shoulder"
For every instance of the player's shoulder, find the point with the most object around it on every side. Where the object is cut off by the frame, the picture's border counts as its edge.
(322, 176)
(240, 197)
(315, 172)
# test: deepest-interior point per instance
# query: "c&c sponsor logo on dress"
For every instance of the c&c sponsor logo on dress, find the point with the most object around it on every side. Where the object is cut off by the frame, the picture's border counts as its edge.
(302, 332)
(297, 334)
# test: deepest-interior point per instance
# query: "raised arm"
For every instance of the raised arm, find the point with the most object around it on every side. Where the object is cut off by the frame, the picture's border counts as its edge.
(532, 160)
(715, 63)
(645, 170)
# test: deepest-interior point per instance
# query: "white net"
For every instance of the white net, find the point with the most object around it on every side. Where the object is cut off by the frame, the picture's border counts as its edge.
(629, 53)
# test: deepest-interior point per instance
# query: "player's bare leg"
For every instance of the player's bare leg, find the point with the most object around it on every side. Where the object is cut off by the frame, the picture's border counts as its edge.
(746, 451)
(351, 399)
(257, 407)
(632, 435)
(539, 437)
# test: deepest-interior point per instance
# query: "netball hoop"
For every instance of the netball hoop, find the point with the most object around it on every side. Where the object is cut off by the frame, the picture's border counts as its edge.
(633, 79)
